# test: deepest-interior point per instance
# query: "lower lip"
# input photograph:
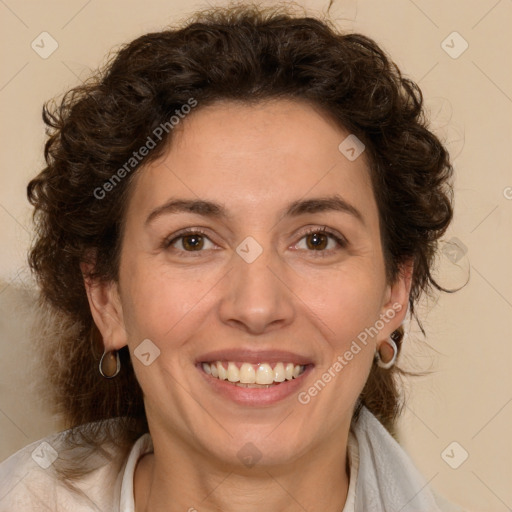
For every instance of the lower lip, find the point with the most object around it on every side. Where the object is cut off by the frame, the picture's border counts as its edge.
(255, 396)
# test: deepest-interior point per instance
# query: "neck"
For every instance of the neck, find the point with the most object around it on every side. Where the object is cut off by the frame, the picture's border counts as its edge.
(318, 481)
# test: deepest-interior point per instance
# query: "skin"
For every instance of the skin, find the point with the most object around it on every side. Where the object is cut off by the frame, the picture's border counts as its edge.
(255, 160)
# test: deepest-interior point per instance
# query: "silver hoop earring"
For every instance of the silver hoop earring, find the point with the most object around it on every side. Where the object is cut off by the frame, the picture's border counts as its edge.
(388, 364)
(110, 364)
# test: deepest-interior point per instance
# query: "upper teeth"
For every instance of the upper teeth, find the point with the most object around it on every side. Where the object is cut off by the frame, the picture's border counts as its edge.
(262, 373)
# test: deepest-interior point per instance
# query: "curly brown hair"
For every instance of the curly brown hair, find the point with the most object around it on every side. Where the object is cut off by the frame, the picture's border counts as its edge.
(240, 53)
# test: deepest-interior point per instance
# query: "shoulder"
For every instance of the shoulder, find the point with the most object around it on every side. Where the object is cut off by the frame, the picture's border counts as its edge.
(31, 478)
(387, 475)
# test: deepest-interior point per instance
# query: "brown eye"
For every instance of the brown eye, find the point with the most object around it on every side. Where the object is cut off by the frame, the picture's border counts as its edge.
(321, 242)
(317, 241)
(192, 242)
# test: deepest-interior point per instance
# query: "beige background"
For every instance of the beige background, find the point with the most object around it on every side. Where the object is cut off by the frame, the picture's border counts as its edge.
(468, 397)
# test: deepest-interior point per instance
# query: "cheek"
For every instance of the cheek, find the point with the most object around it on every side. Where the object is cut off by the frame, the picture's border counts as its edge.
(162, 307)
(161, 303)
(149, 304)
(348, 300)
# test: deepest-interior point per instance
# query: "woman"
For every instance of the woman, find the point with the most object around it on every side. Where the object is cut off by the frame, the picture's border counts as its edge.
(234, 220)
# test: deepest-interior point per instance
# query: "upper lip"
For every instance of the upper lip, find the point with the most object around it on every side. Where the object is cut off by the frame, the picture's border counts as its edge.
(255, 356)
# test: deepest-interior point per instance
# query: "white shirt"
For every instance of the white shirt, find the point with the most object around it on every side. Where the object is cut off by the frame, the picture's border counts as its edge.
(27, 482)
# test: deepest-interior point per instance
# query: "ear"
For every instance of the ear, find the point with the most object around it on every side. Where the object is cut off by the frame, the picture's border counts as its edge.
(106, 309)
(396, 299)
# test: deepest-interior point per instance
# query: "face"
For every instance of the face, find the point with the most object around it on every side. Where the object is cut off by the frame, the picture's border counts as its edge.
(253, 240)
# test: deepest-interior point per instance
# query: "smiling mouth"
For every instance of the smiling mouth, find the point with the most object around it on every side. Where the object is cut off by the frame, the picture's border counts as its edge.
(247, 375)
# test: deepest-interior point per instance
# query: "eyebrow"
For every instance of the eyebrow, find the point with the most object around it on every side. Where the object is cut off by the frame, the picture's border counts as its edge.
(218, 211)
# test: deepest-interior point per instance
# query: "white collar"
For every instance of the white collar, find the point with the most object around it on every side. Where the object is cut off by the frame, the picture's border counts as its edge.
(382, 476)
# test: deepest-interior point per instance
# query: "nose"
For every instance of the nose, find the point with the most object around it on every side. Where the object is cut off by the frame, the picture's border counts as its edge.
(256, 296)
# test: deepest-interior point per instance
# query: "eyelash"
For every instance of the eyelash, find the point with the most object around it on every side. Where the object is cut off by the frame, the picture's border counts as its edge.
(342, 241)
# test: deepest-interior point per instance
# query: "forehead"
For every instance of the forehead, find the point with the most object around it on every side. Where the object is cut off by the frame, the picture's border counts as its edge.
(255, 157)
